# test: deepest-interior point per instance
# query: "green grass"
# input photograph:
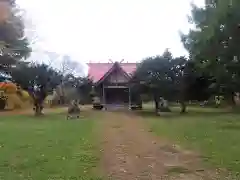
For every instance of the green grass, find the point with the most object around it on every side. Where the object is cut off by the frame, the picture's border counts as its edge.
(47, 148)
(213, 133)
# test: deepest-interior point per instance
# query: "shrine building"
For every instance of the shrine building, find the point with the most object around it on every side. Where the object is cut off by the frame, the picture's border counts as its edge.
(112, 83)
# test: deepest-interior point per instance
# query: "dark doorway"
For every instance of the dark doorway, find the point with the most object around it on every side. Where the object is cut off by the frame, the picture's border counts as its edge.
(116, 95)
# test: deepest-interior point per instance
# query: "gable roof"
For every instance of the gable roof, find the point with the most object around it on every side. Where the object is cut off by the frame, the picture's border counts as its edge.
(96, 71)
(115, 66)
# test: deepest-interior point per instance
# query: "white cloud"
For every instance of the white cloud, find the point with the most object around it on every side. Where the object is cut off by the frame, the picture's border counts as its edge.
(99, 30)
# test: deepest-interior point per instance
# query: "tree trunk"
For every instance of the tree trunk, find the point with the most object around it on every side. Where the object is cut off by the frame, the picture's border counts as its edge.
(183, 107)
(156, 106)
(38, 110)
(230, 99)
(62, 100)
(156, 101)
(233, 102)
(62, 94)
(2, 104)
(38, 106)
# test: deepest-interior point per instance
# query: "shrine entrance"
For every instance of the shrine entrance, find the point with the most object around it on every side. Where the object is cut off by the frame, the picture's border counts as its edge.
(117, 96)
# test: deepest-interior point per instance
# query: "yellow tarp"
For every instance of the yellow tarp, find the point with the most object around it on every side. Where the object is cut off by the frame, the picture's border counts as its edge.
(14, 101)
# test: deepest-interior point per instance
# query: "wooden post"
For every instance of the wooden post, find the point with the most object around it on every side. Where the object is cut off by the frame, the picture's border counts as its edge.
(104, 100)
(129, 98)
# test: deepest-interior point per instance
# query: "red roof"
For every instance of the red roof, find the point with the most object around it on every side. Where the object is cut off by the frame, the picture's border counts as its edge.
(97, 70)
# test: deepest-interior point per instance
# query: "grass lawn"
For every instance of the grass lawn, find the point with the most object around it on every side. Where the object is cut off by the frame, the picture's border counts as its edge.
(47, 148)
(212, 132)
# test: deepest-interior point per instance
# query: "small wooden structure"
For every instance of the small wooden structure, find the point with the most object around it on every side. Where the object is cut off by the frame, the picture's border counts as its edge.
(113, 87)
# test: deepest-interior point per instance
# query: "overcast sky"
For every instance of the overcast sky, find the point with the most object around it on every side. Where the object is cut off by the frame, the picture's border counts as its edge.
(99, 30)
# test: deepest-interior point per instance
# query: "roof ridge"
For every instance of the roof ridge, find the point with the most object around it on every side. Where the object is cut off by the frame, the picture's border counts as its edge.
(112, 63)
(97, 70)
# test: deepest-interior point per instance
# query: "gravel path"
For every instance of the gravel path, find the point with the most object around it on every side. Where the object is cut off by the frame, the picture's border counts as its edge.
(130, 152)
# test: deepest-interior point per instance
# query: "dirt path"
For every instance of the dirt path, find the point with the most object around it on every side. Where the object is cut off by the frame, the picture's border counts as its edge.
(130, 152)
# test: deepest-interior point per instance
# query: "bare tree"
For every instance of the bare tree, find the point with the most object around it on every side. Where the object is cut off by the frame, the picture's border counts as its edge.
(68, 66)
